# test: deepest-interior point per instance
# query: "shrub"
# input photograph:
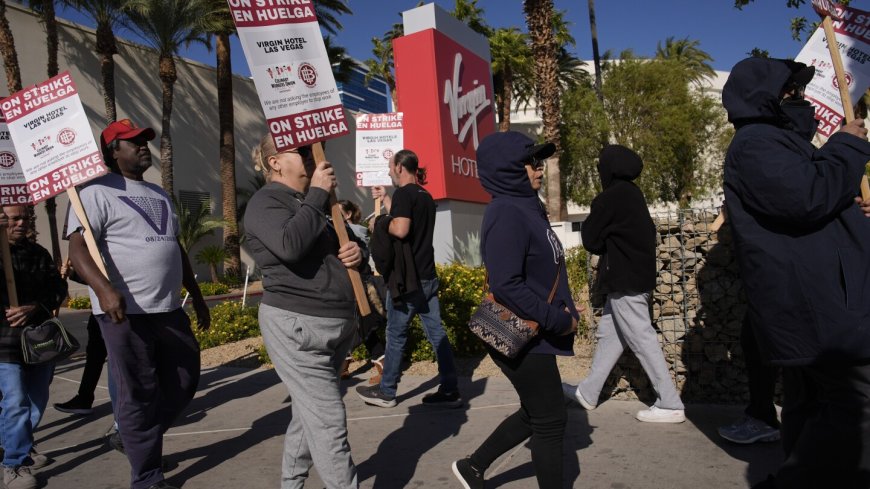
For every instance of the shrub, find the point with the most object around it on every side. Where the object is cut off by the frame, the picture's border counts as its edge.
(79, 302)
(460, 292)
(232, 278)
(229, 322)
(209, 288)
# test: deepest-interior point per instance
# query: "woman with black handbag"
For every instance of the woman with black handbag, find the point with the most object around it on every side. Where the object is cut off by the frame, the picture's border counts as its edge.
(525, 266)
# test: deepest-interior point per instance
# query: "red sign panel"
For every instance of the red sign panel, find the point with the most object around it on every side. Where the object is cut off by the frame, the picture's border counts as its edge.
(445, 92)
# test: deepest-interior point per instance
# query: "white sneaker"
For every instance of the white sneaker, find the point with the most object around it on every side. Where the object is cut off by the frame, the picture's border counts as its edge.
(659, 415)
(573, 394)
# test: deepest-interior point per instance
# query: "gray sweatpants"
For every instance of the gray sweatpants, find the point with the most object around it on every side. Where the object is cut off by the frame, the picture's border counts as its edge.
(307, 352)
(626, 322)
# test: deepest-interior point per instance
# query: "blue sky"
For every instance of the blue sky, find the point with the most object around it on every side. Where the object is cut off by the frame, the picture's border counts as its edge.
(724, 32)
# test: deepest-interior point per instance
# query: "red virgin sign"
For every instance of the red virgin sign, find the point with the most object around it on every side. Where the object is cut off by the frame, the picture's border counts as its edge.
(445, 92)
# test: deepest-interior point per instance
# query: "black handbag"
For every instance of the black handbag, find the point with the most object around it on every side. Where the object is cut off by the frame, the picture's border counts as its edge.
(47, 342)
(500, 328)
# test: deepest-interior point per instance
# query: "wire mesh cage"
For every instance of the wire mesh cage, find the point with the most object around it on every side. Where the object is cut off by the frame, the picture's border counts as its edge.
(697, 310)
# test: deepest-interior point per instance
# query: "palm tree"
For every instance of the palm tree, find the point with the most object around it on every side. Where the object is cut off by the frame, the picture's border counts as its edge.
(689, 54)
(539, 19)
(382, 64)
(223, 28)
(194, 224)
(10, 56)
(212, 256)
(46, 11)
(106, 14)
(468, 12)
(596, 57)
(511, 57)
(166, 25)
(342, 64)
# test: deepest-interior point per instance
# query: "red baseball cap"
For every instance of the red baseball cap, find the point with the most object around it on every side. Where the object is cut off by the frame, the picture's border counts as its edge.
(123, 129)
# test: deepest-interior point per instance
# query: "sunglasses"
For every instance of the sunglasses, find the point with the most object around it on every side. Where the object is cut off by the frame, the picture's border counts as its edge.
(536, 164)
(303, 151)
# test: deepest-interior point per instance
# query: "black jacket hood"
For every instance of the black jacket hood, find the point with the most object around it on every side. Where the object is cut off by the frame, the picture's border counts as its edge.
(617, 162)
(753, 90)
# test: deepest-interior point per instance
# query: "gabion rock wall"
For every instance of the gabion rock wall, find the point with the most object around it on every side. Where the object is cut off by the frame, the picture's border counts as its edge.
(697, 309)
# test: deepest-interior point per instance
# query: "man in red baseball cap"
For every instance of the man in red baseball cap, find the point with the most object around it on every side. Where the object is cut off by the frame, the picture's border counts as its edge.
(153, 354)
(122, 130)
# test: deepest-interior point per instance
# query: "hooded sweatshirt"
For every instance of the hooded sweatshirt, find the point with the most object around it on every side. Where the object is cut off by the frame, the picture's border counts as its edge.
(802, 244)
(522, 254)
(619, 227)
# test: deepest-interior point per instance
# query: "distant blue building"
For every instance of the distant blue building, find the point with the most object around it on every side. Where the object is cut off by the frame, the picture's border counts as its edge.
(359, 97)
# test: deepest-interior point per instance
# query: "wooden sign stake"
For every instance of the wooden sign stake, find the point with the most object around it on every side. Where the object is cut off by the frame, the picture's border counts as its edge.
(338, 222)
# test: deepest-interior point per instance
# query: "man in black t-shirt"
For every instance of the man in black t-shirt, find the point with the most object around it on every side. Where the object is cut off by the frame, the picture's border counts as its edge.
(413, 221)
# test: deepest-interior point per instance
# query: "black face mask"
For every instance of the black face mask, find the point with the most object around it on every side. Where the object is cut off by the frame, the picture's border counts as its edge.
(800, 116)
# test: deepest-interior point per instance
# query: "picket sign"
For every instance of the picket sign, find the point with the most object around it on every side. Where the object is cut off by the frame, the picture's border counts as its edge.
(54, 146)
(292, 72)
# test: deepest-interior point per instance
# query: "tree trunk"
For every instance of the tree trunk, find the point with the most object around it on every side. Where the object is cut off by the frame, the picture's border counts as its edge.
(227, 153)
(167, 78)
(7, 49)
(506, 99)
(596, 57)
(395, 96)
(539, 15)
(107, 49)
(50, 22)
(212, 270)
(52, 69)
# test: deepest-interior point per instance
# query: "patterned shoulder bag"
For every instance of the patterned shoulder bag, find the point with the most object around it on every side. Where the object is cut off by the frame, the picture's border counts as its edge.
(500, 328)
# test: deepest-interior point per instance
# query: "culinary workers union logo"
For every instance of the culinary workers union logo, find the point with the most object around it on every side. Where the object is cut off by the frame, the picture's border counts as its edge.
(7, 159)
(308, 74)
(66, 136)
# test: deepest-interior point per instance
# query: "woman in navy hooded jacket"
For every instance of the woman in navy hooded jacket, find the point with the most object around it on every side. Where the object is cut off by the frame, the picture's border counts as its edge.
(523, 259)
(803, 250)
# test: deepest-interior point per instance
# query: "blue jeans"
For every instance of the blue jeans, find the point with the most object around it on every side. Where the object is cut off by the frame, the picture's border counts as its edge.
(25, 396)
(425, 303)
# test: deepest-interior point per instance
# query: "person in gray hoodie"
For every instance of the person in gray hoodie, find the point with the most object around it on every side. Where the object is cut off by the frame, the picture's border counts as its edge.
(620, 229)
(308, 314)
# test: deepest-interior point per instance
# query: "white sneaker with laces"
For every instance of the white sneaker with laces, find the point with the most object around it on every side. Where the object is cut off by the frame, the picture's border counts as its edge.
(658, 415)
(573, 394)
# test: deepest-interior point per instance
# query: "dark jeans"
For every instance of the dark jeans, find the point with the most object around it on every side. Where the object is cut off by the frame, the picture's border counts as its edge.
(825, 427)
(154, 359)
(94, 360)
(542, 416)
(762, 378)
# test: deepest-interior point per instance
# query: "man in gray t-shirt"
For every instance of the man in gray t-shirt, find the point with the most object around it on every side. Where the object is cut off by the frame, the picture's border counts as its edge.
(153, 355)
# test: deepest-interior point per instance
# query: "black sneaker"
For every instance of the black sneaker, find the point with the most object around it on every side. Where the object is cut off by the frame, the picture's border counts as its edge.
(371, 394)
(76, 405)
(444, 399)
(468, 475)
(162, 485)
(113, 438)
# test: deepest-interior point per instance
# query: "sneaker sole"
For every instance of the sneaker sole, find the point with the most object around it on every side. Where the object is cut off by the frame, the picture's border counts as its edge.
(748, 441)
(459, 476)
(377, 402)
(672, 420)
(80, 412)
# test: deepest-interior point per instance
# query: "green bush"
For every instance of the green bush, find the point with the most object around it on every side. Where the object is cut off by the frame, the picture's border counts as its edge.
(229, 322)
(578, 280)
(232, 278)
(80, 302)
(460, 292)
(209, 288)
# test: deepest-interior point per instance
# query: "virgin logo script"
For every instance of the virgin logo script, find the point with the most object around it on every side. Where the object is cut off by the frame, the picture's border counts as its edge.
(465, 107)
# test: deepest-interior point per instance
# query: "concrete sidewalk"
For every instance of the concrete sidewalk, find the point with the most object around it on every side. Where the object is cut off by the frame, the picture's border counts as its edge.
(231, 437)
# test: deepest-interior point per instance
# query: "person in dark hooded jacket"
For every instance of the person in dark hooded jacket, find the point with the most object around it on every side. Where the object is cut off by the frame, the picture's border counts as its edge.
(803, 250)
(620, 229)
(524, 260)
